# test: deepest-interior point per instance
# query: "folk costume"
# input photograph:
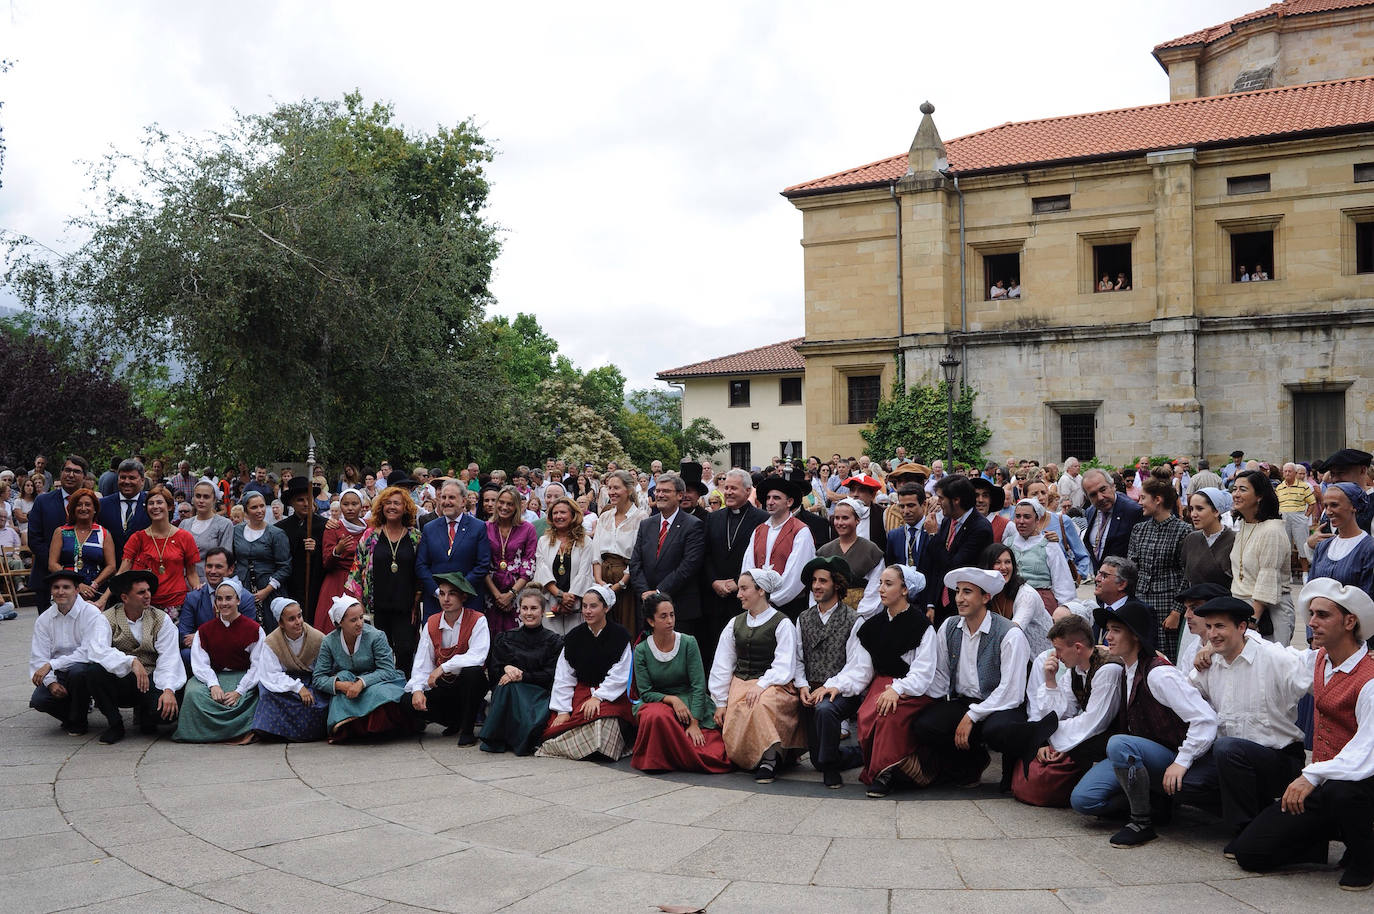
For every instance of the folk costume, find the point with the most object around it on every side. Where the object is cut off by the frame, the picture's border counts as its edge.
(662, 743)
(369, 660)
(592, 664)
(518, 711)
(460, 649)
(284, 668)
(784, 547)
(151, 639)
(826, 644)
(221, 655)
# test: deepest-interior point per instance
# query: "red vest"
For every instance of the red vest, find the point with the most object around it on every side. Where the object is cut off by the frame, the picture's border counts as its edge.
(782, 546)
(1335, 701)
(466, 621)
(228, 646)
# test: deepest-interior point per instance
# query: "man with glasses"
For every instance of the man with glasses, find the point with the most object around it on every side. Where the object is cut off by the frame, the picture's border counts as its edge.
(48, 515)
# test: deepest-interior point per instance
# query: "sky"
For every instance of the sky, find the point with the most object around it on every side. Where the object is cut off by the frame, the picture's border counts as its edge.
(641, 147)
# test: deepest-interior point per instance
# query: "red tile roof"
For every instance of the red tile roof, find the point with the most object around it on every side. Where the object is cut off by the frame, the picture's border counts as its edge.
(771, 359)
(1221, 120)
(1284, 9)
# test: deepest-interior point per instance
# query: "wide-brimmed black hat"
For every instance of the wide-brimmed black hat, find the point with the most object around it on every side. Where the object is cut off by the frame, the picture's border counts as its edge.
(298, 485)
(793, 490)
(402, 480)
(121, 584)
(65, 574)
(1237, 609)
(834, 564)
(1204, 591)
(690, 471)
(1136, 616)
(996, 493)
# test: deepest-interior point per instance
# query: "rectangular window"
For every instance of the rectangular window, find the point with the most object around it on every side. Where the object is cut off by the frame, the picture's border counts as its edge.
(1364, 247)
(739, 393)
(790, 449)
(1001, 272)
(789, 391)
(1059, 204)
(1318, 424)
(1112, 267)
(1248, 184)
(740, 455)
(863, 397)
(1078, 435)
(1252, 256)
(1364, 172)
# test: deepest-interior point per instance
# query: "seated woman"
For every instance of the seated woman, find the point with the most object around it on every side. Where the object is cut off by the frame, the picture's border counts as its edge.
(520, 669)
(757, 707)
(288, 707)
(677, 727)
(1018, 601)
(221, 695)
(357, 668)
(589, 708)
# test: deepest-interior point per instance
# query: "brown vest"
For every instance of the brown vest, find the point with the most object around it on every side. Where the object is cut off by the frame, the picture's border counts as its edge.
(302, 663)
(1144, 716)
(467, 620)
(1335, 722)
(122, 636)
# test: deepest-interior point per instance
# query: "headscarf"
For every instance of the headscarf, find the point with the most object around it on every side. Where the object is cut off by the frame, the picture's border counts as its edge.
(860, 509)
(914, 580)
(348, 525)
(279, 604)
(234, 583)
(1220, 498)
(765, 579)
(1035, 506)
(1358, 499)
(341, 606)
(249, 496)
(605, 593)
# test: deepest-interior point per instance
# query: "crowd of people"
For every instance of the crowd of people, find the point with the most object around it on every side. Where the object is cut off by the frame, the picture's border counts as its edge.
(883, 616)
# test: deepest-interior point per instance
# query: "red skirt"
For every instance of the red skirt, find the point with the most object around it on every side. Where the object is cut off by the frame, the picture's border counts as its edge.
(1048, 783)
(620, 708)
(663, 744)
(888, 740)
(391, 716)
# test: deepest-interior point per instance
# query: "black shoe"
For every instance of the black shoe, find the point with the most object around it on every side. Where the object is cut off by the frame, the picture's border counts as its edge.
(73, 729)
(1356, 880)
(1134, 835)
(467, 738)
(881, 786)
(764, 773)
(833, 780)
(1229, 851)
(112, 735)
(449, 731)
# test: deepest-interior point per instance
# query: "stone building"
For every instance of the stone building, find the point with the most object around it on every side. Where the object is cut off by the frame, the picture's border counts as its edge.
(754, 397)
(1178, 204)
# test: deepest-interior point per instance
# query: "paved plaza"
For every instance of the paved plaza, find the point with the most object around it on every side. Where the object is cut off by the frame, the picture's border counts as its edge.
(420, 825)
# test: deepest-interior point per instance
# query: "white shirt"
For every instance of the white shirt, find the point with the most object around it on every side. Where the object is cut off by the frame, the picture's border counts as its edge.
(851, 642)
(1075, 724)
(616, 539)
(1356, 761)
(167, 673)
(1015, 657)
(1256, 696)
(858, 671)
(201, 669)
(1071, 490)
(565, 681)
(269, 674)
(803, 551)
(62, 640)
(479, 642)
(780, 672)
(1171, 689)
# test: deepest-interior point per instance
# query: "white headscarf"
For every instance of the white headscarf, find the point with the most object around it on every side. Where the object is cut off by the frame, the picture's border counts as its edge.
(341, 605)
(914, 580)
(1035, 506)
(231, 582)
(765, 579)
(860, 509)
(607, 595)
(279, 604)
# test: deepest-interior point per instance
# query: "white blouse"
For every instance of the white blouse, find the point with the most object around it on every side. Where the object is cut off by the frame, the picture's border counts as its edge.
(784, 656)
(616, 539)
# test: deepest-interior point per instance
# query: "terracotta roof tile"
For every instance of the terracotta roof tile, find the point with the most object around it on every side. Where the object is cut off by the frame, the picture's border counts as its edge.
(1220, 120)
(776, 357)
(1287, 8)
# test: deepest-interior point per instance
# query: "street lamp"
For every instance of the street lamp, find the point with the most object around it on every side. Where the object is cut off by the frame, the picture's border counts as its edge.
(950, 366)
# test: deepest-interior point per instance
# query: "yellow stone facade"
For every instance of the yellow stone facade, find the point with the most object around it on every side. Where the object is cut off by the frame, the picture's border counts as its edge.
(777, 422)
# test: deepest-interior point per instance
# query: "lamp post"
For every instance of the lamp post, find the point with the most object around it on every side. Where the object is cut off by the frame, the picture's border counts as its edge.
(950, 366)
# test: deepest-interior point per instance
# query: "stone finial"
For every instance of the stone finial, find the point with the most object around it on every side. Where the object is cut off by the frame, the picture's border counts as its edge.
(927, 150)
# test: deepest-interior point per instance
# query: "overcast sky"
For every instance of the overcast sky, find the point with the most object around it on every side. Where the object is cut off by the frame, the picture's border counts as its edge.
(641, 147)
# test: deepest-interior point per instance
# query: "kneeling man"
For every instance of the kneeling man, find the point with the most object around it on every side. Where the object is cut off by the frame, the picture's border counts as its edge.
(828, 632)
(58, 653)
(135, 663)
(448, 677)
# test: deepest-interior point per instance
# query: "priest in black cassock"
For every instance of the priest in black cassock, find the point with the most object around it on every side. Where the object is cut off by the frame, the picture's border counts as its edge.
(728, 531)
(299, 495)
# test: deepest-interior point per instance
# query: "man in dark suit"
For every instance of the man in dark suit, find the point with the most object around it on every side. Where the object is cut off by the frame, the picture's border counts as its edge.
(300, 497)
(48, 514)
(961, 539)
(454, 542)
(907, 543)
(1110, 518)
(668, 553)
(728, 531)
(123, 513)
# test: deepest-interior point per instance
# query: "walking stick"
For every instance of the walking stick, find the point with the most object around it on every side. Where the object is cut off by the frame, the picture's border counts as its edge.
(310, 514)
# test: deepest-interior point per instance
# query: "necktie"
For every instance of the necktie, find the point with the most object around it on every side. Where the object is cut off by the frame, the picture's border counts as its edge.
(452, 532)
(662, 534)
(953, 529)
(910, 545)
(128, 511)
(1102, 519)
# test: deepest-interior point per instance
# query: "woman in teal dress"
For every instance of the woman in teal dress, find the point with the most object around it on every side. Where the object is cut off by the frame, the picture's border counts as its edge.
(356, 667)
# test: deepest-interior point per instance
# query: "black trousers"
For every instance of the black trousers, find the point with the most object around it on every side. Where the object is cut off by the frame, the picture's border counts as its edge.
(1341, 810)
(73, 708)
(400, 634)
(1003, 731)
(113, 692)
(823, 733)
(1250, 776)
(455, 702)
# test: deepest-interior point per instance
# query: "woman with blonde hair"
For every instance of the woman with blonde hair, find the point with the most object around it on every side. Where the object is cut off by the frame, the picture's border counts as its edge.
(563, 566)
(513, 544)
(616, 530)
(384, 577)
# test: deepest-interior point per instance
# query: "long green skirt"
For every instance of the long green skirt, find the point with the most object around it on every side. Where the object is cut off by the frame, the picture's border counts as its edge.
(204, 720)
(516, 716)
(343, 709)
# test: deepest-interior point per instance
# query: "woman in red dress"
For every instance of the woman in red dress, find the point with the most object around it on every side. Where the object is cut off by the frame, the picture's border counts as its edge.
(167, 551)
(340, 542)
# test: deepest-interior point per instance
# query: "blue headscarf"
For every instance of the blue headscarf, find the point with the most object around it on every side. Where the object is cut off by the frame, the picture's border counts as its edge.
(1358, 499)
(1220, 498)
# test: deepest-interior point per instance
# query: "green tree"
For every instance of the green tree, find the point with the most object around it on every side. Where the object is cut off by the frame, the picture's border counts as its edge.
(662, 409)
(646, 441)
(316, 268)
(916, 419)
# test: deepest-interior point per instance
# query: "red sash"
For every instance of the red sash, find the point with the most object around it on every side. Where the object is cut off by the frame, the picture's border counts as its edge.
(782, 546)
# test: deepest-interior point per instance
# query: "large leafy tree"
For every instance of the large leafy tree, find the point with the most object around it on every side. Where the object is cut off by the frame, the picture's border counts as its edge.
(917, 419)
(316, 268)
(653, 419)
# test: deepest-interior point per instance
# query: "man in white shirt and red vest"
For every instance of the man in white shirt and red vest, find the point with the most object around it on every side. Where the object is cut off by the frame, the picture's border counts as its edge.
(1333, 797)
(448, 676)
(1165, 727)
(782, 543)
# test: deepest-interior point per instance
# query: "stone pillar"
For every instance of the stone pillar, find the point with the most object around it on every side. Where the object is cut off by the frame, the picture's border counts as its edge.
(1176, 417)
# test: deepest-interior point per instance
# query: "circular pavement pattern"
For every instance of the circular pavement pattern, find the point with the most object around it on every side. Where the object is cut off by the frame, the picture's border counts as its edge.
(420, 825)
